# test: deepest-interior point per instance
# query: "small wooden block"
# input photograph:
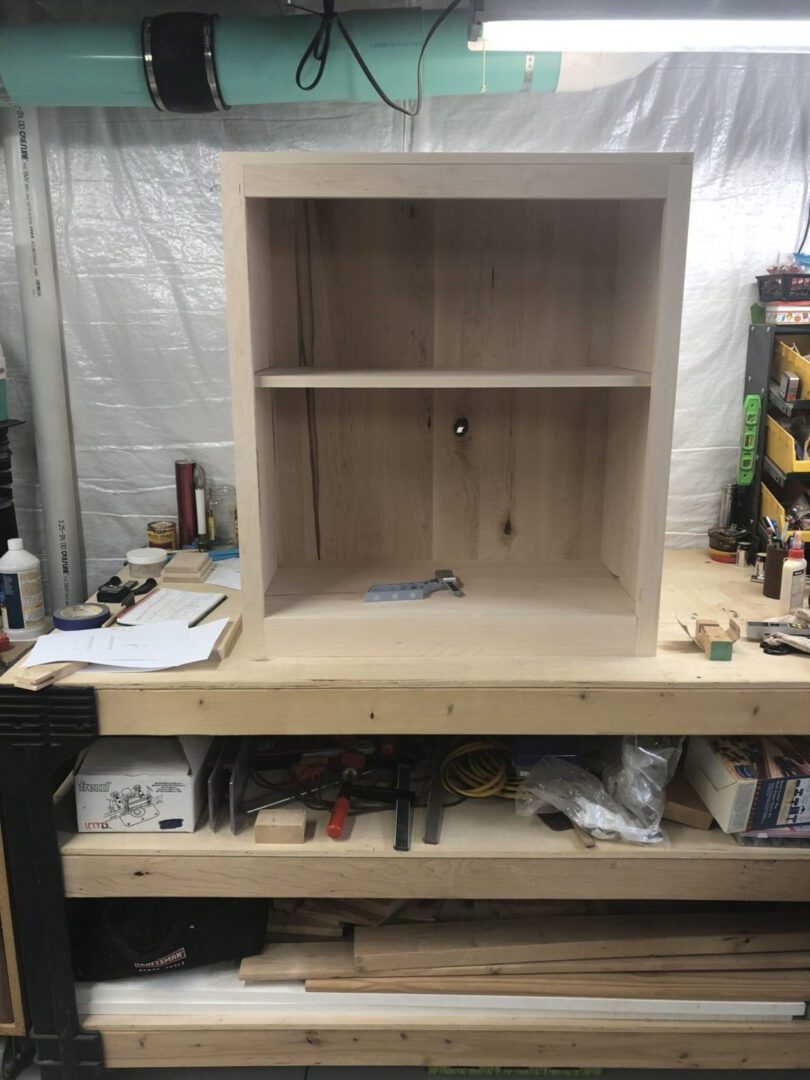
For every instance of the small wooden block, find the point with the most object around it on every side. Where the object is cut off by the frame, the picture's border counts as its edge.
(189, 562)
(287, 826)
(189, 567)
(41, 675)
(715, 642)
(227, 639)
(685, 806)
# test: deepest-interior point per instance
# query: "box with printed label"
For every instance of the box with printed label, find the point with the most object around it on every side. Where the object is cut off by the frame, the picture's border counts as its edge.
(141, 784)
(752, 783)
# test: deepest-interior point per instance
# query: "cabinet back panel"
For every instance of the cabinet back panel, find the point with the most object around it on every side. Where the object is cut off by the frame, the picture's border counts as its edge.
(524, 284)
(386, 284)
(381, 475)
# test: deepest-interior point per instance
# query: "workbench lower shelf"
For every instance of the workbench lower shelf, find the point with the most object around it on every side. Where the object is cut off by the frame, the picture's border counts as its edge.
(486, 852)
(174, 1042)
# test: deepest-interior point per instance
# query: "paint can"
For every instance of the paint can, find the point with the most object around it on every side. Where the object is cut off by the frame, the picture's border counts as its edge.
(161, 534)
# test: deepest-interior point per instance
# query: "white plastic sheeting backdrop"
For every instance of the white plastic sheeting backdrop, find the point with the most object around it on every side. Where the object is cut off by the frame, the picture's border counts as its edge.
(135, 200)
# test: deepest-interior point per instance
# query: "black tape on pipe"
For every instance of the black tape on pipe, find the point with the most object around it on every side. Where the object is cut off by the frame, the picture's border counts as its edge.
(179, 64)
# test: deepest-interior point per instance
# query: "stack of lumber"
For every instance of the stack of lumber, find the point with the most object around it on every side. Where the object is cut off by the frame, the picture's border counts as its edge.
(708, 956)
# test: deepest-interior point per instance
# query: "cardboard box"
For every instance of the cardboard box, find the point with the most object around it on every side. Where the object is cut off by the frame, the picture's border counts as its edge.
(127, 784)
(751, 783)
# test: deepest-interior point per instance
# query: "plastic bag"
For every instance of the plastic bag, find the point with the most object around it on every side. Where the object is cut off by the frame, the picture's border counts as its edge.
(639, 783)
(629, 808)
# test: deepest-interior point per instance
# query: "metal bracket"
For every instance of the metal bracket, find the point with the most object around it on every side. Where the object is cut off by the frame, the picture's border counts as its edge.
(39, 734)
(416, 590)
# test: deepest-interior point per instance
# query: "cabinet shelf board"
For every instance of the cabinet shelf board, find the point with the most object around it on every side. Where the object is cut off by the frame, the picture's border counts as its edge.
(508, 609)
(486, 851)
(451, 378)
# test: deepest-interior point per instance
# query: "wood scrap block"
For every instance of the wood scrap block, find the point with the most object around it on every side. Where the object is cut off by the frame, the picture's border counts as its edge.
(39, 676)
(680, 986)
(685, 806)
(297, 931)
(362, 912)
(407, 946)
(715, 642)
(283, 826)
(227, 639)
(292, 962)
(188, 566)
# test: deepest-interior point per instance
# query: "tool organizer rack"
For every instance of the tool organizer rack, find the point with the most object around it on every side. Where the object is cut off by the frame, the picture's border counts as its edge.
(453, 360)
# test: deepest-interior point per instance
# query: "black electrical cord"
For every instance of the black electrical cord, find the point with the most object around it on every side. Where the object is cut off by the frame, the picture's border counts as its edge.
(318, 50)
(800, 248)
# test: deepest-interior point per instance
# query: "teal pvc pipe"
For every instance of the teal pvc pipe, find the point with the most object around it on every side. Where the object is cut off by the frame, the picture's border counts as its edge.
(100, 64)
(73, 64)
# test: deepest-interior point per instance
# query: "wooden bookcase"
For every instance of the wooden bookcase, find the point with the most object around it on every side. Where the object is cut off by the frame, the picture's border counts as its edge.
(462, 361)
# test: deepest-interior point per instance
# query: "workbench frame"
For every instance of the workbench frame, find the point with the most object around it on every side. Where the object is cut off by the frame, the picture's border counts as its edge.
(39, 733)
(679, 691)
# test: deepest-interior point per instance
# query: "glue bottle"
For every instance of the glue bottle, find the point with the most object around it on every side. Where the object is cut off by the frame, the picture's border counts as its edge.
(794, 570)
(21, 581)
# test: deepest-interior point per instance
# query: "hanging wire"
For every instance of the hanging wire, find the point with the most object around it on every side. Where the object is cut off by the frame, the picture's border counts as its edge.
(319, 46)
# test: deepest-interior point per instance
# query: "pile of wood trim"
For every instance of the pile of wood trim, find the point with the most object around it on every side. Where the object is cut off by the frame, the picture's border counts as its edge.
(708, 956)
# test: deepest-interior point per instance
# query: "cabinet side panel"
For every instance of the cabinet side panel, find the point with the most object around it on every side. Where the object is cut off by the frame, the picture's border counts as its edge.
(285, 296)
(524, 484)
(675, 225)
(366, 283)
(637, 283)
(524, 284)
(625, 456)
(296, 462)
(247, 280)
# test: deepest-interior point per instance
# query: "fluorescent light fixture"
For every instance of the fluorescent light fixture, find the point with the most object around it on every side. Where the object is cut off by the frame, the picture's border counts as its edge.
(780, 26)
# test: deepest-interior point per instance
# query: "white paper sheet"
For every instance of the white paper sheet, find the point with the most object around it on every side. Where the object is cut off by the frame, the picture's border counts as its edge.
(227, 574)
(147, 648)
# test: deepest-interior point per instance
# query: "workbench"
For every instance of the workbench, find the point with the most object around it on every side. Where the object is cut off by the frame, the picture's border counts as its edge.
(482, 854)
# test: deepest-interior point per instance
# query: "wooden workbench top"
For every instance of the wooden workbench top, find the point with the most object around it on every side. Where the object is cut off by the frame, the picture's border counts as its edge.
(673, 691)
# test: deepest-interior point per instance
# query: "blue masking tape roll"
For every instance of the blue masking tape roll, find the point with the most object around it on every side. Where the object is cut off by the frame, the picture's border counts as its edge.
(81, 617)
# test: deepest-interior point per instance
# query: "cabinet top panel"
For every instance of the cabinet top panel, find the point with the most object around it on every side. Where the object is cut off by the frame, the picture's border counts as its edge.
(459, 176)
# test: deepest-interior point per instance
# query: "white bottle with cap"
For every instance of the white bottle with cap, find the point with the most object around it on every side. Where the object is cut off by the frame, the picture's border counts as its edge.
(794, 571)
(23, 603)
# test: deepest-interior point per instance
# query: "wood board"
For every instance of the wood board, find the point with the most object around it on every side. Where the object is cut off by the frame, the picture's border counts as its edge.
(405, 947)
(680, 986)
(173, 1042)
(335, 960)
(280, 963)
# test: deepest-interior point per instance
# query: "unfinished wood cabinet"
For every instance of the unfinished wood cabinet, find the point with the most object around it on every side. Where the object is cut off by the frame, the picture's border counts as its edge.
(461, 361)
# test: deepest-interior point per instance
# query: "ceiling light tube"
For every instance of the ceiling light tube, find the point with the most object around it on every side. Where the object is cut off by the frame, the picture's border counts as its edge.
(629, 26)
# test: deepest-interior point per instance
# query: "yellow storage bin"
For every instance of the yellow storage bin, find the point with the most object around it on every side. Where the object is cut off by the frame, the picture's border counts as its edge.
(769, 506)
(788, 358)
(780, 448)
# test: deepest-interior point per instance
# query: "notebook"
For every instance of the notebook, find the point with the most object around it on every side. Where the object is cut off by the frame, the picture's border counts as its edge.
(171, 605)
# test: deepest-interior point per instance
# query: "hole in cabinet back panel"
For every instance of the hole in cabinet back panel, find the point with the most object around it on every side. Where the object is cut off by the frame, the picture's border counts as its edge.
(381, 475)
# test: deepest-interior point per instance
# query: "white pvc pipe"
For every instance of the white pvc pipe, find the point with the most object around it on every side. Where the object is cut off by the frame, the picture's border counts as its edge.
(33, 245)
